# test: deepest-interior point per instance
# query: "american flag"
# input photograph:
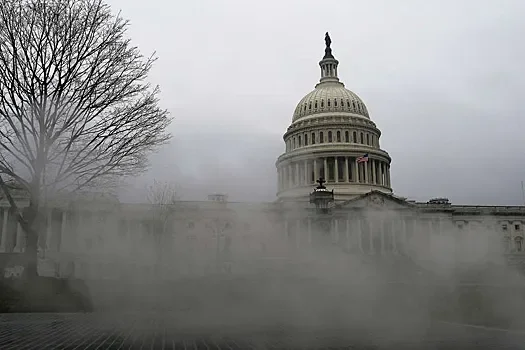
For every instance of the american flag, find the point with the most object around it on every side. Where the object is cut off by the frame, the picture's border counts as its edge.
(363, 159)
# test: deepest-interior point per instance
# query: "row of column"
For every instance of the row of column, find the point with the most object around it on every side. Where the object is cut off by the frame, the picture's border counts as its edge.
(12, 236)
(362, 235)
(333, 170)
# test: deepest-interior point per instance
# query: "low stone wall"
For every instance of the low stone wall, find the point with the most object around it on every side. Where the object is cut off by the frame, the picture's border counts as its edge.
(44, 294)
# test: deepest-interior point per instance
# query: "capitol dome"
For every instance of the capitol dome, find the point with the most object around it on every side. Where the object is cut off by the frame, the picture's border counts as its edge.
(330, 98)
(332, 137)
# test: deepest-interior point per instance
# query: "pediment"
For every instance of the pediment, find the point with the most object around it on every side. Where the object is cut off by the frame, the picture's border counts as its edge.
(377, 200)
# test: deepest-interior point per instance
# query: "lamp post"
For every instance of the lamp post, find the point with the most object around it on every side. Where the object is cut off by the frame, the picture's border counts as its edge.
(322, 198)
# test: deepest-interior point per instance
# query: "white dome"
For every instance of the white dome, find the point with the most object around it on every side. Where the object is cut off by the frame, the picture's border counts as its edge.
(330, 97)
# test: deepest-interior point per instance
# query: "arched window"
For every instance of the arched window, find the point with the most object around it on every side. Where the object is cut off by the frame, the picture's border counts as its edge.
(354, 137)
(322, 103)
(294, 145)
(315, 106)
(310, 105)
(335, 102)
(299, 140)
(328, 101)
(306, 139)
(342, 103)
(347, 136)
(338, 136)
(348, 103)
(329, 136)
(313, 138)
(367, 140)
(321, 137)
(362, 139)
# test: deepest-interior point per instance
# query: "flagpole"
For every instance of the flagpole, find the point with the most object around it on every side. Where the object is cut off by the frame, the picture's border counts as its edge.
(523, 192)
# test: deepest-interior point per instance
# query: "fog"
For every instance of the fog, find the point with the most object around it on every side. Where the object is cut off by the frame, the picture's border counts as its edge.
(303, 286)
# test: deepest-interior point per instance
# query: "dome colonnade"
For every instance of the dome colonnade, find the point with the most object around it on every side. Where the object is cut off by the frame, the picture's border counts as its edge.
(330, 135)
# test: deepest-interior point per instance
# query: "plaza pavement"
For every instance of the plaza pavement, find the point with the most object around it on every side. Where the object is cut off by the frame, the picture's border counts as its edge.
(170, 331)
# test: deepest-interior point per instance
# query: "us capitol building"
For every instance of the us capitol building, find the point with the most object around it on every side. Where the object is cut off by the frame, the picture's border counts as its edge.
(332, 137)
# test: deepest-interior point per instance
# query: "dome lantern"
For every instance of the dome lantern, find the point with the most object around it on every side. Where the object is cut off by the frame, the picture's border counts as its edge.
(328, 64)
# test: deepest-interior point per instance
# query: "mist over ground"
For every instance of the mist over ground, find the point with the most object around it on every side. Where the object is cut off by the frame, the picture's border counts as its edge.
(322, 286)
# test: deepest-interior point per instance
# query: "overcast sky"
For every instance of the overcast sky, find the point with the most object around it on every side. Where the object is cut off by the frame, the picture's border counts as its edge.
(441, 79)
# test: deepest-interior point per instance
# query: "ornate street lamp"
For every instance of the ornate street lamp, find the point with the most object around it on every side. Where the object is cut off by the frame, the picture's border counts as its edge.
(322, 197)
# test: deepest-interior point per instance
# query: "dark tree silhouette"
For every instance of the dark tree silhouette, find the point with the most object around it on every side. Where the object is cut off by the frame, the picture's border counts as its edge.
(75, 108)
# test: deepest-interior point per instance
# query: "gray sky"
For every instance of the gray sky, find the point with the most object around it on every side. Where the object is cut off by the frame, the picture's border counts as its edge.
(440, 78)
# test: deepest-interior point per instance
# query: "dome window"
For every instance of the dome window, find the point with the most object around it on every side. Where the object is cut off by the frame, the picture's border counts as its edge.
(338, 137)
(348, 103)
(313, 138)
(306, 139)
(321, 137)
(367, 139)
(315, 105)
(347, 136)
(362, 138)
(328, 101)
(342, 103)
(353, 104)
(299, 140)
(329, 136)
(322, 103)
(354, 136)
(305, 107)
(310, 105)
(335, 103)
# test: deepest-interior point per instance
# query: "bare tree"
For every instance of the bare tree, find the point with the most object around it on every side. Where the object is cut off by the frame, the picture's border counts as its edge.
(75, 108)
(162, 196)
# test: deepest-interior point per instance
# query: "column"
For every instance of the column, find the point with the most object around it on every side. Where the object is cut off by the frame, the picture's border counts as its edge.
(356, 171)
(278, 180)
(336, 169)
(49, 228)
(336, 231)
(371, 237)
(297, 175)
(20, 244)
(365, 167)
(404, 234)
(285, 177)
(3, 243)
(310, 231)
(380, 182)
(316, 171)
(297, 233)
(326, 168)
(63, 233)
(388, 175)
(374, 174)
(382, 230)
(394, 226)
(290, 178)
(348, 243)
(306, 172)
(286, 229)
(359, 232)
(347, 173)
